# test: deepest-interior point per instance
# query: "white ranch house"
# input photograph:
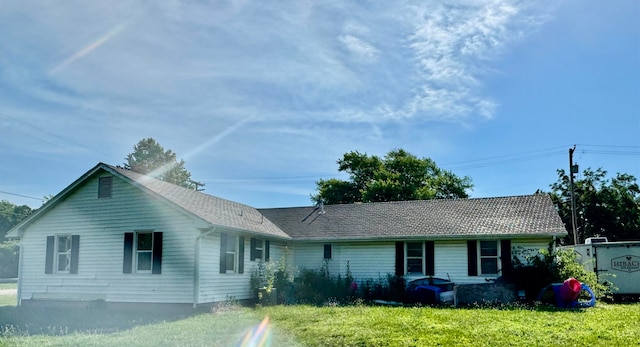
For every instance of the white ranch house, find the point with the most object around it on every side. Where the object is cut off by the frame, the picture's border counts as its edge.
(122, 237)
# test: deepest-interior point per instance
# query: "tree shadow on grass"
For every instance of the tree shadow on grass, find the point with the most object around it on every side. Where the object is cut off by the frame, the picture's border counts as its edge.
(36, 320)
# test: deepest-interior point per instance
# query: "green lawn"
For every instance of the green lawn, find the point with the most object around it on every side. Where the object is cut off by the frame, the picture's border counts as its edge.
(604, 325)
(7, 300)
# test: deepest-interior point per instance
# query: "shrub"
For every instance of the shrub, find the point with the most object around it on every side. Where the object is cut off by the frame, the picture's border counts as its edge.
(553, 266)
(389, 288)
(318, 287)
(273, 275)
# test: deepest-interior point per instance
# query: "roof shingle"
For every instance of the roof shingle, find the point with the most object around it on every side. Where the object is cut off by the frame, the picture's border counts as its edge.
(531, 215)
(214, 210)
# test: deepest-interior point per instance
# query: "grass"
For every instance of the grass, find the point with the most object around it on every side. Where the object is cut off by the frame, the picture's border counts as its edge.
(103, 327)
(604, 325)
(7, 300)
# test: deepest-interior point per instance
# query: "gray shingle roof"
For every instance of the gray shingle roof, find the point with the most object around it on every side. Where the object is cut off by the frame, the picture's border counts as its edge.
(531, 215)
(214, 210)
(518, 216)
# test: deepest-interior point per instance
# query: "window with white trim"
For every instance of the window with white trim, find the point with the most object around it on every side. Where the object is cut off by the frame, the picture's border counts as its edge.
(231, 253)
(230, 256)
(415, 257)
(144, 251)
(63, 253)
(259, 249)
(489, 257)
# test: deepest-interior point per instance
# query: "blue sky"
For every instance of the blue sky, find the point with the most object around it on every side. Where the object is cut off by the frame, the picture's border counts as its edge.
(260, 98)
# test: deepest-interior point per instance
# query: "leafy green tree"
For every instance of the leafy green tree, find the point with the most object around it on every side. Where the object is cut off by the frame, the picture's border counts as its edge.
(604, 207)
(150, 158)
(11, 215)
(396, 177)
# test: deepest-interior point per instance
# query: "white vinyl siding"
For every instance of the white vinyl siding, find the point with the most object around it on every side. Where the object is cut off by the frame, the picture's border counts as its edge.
(215, 286)
(375, 260)
(102, 224)
(367, 260)
(450, 260)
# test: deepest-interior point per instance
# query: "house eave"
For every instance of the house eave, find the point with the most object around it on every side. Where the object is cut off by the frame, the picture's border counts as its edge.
(17, 231)
(430, 237)
(250, 232)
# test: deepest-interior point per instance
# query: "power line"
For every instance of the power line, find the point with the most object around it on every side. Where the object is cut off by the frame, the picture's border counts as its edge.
(46, 132)
(610, 146)
(504, 159)
(23, 196)
(507, 159)
(610, 152)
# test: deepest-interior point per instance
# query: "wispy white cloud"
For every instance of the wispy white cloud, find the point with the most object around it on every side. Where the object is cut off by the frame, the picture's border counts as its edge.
(304, 69)
(284, 56)
(453, 44)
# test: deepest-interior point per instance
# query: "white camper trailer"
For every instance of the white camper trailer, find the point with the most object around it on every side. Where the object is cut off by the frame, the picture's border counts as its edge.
(615, 262)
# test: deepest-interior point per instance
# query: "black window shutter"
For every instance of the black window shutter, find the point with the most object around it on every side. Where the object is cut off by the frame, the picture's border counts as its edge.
(241, 254)
(327, 251)
(48, 265)
(266, 250)
(505, 257)
(223, 253)
(127, 261)
(399, 258)
(75, 247)
(252, 250)
(156, 267)
(429, 247)
(472, 257)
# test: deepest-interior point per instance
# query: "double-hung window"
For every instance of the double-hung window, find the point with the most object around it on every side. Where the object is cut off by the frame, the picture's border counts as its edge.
(62, 254)
(231, 253)
(489, 256)
(142, 252)
(415, 257)
(259, 249)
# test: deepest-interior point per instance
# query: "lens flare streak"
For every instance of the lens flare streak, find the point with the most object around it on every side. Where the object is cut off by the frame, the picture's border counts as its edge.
(259, 336)
(88, 49)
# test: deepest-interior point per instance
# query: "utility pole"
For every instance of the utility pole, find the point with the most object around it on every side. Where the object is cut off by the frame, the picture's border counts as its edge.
(572, 170)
